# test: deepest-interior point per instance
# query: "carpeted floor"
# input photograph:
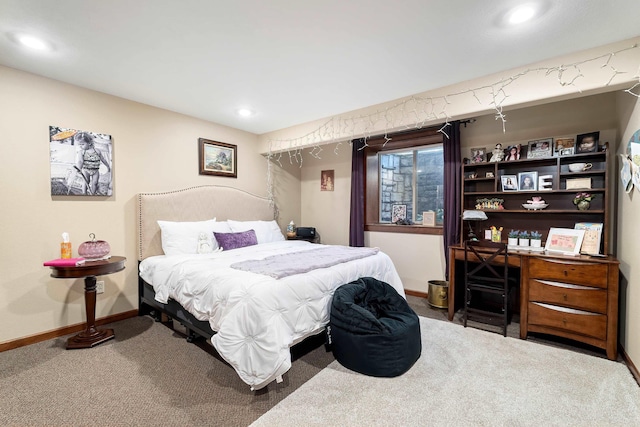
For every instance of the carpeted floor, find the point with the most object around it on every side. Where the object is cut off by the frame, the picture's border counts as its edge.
(149, 375)
(467, 377)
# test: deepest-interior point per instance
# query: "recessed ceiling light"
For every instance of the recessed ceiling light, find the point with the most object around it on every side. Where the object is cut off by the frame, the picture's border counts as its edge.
(32, 42)
(520, 14)
(245, 112)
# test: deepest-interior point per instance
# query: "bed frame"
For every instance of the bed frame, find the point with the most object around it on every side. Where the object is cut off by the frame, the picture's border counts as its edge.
(190, 204)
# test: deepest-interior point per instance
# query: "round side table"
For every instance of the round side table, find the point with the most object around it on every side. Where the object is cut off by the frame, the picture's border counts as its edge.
(91, 336)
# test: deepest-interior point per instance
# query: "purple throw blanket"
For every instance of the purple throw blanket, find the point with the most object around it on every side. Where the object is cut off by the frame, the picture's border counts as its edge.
(283, 265)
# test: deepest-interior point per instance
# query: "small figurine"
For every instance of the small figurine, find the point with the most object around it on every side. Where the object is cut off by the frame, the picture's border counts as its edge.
(204, 247)
(497, 154)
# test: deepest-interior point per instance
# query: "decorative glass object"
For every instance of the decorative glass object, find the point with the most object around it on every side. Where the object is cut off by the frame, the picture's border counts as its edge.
(291, 229)
(94, 249)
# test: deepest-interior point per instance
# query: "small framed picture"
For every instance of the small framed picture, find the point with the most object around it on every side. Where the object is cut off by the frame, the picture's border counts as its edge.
(587, 142)
(478, 154)
(565, 241)
(515, 152)
(528, 181)
(217, 158)
(509, 182)
(398, 212)
(429, 218)
(564, 146)
(540, 148)
(326, 180)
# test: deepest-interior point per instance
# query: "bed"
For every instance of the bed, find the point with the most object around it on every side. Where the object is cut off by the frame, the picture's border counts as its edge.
(254, 301)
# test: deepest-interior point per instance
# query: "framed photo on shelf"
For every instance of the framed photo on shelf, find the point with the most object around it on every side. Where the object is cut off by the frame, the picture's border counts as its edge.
(540, 148)
(564, 146)
(398, 212)
(527, 181)
(429, 218)
(587, 142)
(509, 182)
(566, 241)
(515, 152)
(478, 154)
(592, 237)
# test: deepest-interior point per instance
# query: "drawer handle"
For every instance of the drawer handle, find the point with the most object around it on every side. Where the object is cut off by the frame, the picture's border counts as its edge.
(564, 321)
(564, 296)
(566, 273)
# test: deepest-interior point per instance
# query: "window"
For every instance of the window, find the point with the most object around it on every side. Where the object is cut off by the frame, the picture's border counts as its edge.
(405, 178)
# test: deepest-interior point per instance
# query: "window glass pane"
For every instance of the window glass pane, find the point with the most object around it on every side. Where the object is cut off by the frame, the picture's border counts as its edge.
(430, 182)
(396, 186)
(411, 182)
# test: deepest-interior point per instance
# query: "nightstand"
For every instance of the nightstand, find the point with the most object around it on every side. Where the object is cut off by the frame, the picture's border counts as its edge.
(91, 336)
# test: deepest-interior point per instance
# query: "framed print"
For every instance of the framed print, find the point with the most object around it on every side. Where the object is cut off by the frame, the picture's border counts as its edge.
(565, 241)
(540, 148)
(217, 158)
(515, 152)
(509, 182)
(429, 218)
(326, 180)
(398, 212)
(587, 142)
(478, 154)
(528, 181)
(81, 162)
(564, 146)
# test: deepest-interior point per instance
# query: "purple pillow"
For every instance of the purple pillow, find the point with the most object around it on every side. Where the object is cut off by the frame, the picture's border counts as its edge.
(228, 241)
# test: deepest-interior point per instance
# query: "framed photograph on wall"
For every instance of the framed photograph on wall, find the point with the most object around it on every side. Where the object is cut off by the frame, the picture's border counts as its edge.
(527, 181)
(81, 162)
(327, 180)
(566, 241)
(509, 182)
(398, 212)
(587, 142)
(217, 158)
(540, 148)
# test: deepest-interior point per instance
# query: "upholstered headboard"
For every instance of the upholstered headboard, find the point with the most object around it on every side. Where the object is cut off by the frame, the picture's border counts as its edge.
(194, 204)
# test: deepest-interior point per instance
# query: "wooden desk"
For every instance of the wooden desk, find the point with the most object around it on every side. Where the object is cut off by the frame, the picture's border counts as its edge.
(574, 297)
(91, 336)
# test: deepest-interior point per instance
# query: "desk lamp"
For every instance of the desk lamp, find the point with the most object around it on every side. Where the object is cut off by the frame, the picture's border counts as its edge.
(473, 215)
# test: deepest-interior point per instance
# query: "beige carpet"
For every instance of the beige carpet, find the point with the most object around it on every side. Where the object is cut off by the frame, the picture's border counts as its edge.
(469, 377)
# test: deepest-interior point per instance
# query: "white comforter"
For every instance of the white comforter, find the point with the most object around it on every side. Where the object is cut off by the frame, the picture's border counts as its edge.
(257, 318)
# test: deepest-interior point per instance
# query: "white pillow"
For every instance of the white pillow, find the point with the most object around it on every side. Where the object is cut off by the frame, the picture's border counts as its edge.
(266, 231)
(182, 237)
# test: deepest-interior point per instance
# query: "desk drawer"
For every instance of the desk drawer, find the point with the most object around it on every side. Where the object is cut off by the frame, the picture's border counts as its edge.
(577, 321)
(573, 296)
(578, 272)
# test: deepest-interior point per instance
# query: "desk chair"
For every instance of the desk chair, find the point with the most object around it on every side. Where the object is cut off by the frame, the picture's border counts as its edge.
(486, 271)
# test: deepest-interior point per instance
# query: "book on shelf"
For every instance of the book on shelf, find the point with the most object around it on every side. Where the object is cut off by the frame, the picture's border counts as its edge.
(64, 262)
(592, 237)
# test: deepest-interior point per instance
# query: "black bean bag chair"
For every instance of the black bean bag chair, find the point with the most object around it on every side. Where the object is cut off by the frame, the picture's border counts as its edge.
(372, 329)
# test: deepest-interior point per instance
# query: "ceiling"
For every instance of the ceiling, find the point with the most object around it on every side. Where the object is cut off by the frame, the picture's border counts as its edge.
(292, 61)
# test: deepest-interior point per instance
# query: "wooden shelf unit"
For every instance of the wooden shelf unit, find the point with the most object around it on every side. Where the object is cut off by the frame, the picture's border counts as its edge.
(561, 211)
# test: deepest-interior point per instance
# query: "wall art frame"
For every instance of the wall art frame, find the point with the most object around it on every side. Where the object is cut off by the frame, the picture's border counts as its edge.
(81, 162)
(217, 158)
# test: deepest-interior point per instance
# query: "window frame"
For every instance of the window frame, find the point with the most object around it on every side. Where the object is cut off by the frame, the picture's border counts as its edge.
(376, 145)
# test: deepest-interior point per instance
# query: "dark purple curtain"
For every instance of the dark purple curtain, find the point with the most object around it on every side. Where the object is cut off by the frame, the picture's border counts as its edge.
(356, 222)
(452, 188)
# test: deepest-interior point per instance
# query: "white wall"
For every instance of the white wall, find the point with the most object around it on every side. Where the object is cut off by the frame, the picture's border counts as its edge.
(154, 150)
(628, 230)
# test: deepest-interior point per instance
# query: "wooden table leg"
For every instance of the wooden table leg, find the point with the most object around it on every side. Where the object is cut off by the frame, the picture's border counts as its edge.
(90, 336)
